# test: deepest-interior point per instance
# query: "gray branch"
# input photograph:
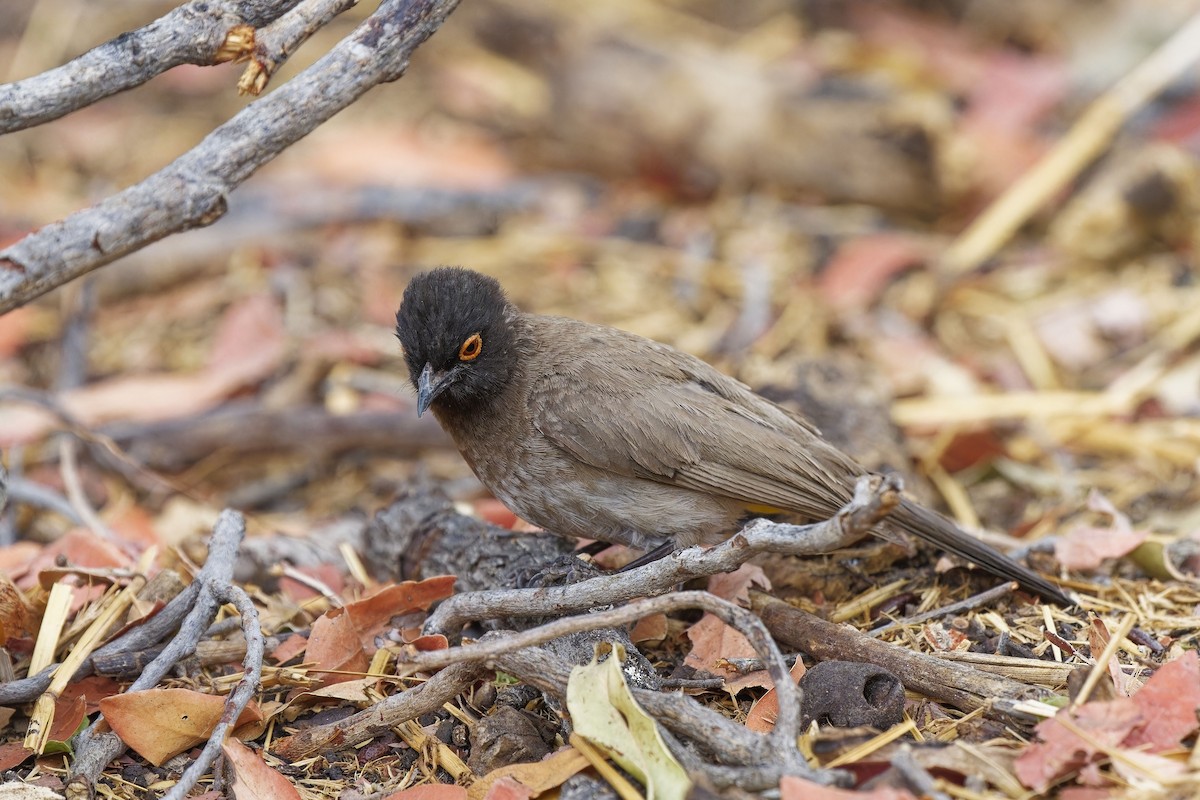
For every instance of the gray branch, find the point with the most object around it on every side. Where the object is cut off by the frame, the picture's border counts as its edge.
(194, 33)
(277, 41)
(191, 191)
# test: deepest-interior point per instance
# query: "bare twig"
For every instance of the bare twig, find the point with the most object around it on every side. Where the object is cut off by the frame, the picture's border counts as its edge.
(191, 191)
(68, 468)
(873, 499)
(212, 587)
(274, 43)
(241, 695)
(394, 710)
(974, 601)
(963, 687)
(787, 726)
(194, 33)
(753, 761)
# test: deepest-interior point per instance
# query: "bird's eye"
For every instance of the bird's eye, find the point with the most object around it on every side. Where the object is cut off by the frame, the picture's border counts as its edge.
(471, 348)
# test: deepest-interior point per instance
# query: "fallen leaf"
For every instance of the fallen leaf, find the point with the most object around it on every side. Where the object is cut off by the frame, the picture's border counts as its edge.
(794, 788)
(70, 714)
(289, 648)
(712, 642)
(298, 591)
(649, 629)
(508, 789)
(1168, 701)
(252, 778)
(161, 723)
(14, 610)
(1087, 546)
(249, 344)
(735, 586)
(14, 330)
(13, 754)
(1061, 751)
(430, 791)
(541, 776)
(92, 689)
(604, 712)
(373, 614)
(862, 267)
(334, 645)
(765, 711)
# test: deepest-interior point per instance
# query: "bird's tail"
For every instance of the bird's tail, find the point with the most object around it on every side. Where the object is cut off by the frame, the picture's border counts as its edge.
(936, 529)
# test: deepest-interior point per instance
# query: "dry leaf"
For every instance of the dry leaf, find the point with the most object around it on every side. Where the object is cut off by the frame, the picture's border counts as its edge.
(253, 779)
(429, 791)
(334, 645)
(765, 710)
(538, 777)
(160, 723)
(794, 788)
(373, 614)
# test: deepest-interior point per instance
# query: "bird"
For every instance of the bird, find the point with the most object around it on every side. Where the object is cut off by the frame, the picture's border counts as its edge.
(594, 432)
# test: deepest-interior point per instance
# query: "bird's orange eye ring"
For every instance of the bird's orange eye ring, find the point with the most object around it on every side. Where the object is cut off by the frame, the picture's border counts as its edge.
(471, 348)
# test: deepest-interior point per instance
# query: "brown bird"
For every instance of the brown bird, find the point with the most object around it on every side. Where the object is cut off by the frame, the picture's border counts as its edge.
(593, 432)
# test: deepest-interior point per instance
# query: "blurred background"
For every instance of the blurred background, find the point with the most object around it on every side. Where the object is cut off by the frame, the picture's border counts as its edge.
(768, 184)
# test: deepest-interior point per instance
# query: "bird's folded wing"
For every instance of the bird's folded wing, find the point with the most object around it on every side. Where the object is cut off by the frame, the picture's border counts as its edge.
(695, 428)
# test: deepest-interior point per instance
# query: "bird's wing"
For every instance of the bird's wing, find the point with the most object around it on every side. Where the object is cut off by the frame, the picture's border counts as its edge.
(659, 414)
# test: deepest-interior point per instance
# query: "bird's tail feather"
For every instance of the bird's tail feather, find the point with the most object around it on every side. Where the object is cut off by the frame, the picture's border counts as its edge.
(938, 530)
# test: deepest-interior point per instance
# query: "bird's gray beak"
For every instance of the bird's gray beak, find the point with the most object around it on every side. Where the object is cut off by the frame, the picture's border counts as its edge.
(430, 385)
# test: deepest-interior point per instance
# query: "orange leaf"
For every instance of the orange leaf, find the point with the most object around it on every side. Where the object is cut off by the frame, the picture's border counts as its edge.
(430, 791)
(334, 645)
(252, 778)
(289, 648)
(68, 714)
(649, 629)
(14, 611)
(373, 614)
(160, 723)
(529, 779)
(712, 641)
(793, 788)
(93, 689)
(765, 710)
(12, 754)
(861, 268)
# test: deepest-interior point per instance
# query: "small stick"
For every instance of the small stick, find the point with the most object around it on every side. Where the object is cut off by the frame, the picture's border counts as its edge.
(974, 601)
(787, 726)
(239, 698)
(873, 499)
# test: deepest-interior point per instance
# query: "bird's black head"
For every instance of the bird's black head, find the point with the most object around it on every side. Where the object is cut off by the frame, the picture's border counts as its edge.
(457, 332)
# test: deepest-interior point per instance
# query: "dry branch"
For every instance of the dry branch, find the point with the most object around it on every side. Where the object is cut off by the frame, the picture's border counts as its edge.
(194, 33)
(277, 41)
(212, 587)
(390, 712)
(962, 687)
(873, 498)
(191, 191)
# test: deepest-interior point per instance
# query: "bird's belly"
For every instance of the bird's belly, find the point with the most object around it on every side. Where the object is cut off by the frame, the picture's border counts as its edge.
(591, 504)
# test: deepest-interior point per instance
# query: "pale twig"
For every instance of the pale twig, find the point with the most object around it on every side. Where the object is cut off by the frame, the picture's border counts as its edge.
(787, 725)
(194, 33)
(95, 749)
(274, 43)
(191, 191)
(974, 601)
(873, 499)
(239, 698)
